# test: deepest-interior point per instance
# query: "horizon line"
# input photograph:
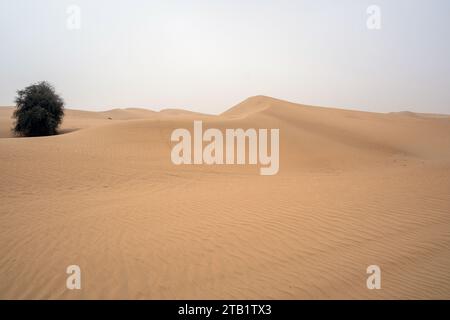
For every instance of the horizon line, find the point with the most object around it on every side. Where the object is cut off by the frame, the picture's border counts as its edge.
(343, 108)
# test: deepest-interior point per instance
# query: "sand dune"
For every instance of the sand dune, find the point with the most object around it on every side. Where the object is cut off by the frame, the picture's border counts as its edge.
(354, 189)
(79, 119)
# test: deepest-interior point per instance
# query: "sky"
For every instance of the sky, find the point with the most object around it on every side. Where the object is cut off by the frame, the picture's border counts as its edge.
(207, 56)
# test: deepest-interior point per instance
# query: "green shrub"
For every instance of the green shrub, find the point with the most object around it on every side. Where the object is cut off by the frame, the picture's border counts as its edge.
(39, 111)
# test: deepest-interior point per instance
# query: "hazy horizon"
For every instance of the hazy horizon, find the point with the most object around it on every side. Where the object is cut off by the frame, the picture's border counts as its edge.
(162, 108)
(207, 56)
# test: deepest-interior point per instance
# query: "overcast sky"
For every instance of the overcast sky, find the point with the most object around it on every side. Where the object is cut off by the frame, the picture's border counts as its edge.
(209, 55)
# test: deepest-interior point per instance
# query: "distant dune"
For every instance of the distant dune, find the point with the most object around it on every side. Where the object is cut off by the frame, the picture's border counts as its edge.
(354, 189)
(79, 119)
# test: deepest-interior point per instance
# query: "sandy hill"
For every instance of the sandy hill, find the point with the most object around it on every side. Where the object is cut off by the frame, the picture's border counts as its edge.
(354, 189)
(180, 112)
(79, 119)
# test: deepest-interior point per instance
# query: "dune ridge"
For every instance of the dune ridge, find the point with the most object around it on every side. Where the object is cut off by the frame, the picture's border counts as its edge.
(354, 189)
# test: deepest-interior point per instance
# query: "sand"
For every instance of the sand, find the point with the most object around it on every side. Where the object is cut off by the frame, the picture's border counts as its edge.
(354, 189)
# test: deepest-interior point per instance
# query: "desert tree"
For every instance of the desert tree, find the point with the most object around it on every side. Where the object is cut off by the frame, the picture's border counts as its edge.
(39, 110)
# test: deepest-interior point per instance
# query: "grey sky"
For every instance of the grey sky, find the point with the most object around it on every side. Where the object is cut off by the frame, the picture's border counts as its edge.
(209, 55)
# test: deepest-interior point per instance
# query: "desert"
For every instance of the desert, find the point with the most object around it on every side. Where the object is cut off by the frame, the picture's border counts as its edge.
(354, 189)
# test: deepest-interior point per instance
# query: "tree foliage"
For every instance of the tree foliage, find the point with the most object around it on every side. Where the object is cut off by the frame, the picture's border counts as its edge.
(39, 110)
